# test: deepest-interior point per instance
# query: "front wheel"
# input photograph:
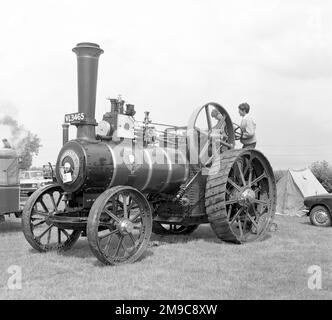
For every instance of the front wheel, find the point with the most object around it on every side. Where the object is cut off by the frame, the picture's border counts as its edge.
(37, 225)
(320, 216)
(119, 225)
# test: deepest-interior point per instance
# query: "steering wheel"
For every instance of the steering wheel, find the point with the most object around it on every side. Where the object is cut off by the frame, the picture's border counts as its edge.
(209, 135)
(238, 133)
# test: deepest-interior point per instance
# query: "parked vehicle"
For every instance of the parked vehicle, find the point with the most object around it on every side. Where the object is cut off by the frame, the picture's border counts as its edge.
(319, 209)
(9, 183)
(32, 180)
(48, 172)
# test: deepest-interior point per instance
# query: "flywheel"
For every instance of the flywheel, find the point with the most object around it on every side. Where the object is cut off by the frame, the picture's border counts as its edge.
(209, 132)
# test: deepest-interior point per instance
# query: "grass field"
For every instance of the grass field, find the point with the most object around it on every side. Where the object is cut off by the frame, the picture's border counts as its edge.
(198, 266)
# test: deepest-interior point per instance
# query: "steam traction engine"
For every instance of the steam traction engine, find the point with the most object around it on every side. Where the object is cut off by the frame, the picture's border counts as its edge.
(120, 180)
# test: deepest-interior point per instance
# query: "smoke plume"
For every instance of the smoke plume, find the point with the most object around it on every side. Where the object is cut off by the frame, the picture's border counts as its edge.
(25, 142)
(14, 133)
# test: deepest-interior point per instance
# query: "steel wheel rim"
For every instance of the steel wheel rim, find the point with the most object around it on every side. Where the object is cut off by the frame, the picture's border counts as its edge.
(250, 197)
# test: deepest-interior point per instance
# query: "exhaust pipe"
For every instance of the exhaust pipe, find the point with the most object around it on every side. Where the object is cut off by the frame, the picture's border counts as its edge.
(87, 72)
(65, 133)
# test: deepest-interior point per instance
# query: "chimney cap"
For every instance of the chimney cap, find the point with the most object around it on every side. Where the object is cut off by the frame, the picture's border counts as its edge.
(88, 44)
(88, 49)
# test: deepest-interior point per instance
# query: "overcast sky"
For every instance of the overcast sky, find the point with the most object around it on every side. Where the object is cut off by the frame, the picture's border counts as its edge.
(170, 57)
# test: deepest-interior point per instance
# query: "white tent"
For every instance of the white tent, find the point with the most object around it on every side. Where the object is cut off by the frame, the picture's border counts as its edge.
(293, 187)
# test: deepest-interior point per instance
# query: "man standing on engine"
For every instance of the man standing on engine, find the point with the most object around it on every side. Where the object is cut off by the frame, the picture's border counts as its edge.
(248, 127)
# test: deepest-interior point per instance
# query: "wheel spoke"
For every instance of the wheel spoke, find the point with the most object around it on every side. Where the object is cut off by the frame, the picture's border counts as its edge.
(133, 219)
(41, 201)
(261, 202)
(108, 234)
(250, 178)
(113, 216)
(236, 215)
(115, 205)
(45, 231)
(240, 227)
(248, 166)
(231, 201)
(59, 200)
(221, 123)
(204, 151)
(65, 233)
(107, 246)
(119, 246)
(130, 205)
(208, 118)
(49, 236)
(241, 173)
(262, 176)
(253, 210)
(40, 213)
(229, 211)
(33, 219)
(59, 236)
(245, 223)
(253, 221)
(231, 182)
(126, 251)
(53, 202)
(125, 210)
(132, 238)
(256, 192)
(38, 223)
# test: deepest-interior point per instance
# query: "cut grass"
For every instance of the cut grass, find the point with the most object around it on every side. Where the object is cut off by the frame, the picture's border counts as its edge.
(196, 266)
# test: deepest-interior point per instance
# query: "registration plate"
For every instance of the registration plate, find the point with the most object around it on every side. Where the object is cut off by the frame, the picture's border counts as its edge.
(74, 117)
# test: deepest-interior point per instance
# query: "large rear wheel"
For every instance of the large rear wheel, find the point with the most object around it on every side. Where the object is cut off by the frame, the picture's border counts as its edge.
(240, 195)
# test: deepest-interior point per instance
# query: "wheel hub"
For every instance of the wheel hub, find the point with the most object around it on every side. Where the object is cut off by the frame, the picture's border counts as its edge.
(125, 226)
(48, 221)
(321, 217)
(247, 196)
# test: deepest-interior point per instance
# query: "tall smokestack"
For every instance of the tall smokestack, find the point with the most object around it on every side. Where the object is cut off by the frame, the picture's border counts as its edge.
(87, 72)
